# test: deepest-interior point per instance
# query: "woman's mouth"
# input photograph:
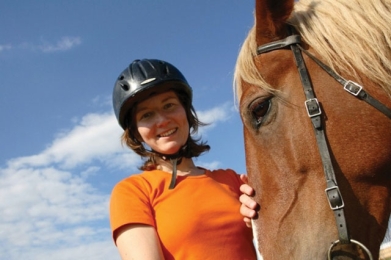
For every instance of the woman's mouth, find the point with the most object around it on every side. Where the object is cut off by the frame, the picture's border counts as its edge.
(168, 133)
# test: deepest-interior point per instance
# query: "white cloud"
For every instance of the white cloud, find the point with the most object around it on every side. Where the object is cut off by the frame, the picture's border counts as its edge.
(214, 116)
(5, 47)
(210, 165)
(43, 208)
(96, 250)
(95, 137)
(102, 101)
(50, 210)
(64, 44)
(48, 206)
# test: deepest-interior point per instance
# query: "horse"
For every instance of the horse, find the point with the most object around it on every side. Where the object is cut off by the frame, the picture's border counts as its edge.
(313, 87)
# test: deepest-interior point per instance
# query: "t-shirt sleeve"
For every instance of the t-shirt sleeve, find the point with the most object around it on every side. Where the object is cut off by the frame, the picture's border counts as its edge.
(130, 203)
(236, 179)
(229, 178)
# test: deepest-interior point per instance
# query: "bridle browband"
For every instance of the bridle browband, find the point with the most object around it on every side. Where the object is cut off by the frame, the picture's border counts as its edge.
(314, 112)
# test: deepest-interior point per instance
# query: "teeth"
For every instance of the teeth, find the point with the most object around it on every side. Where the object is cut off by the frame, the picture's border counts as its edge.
(168, 133)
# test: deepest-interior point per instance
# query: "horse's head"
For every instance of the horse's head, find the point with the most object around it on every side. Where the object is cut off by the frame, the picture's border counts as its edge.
(301, 141)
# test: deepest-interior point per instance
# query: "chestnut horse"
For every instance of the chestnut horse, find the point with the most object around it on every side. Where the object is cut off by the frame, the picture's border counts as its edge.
(318, 147)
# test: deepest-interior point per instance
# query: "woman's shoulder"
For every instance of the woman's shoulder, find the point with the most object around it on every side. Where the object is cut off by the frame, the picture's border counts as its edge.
(223, 171)
(224, 174)
(227, 177)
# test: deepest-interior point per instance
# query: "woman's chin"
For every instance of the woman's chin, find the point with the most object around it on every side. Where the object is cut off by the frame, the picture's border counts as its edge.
(169, 151)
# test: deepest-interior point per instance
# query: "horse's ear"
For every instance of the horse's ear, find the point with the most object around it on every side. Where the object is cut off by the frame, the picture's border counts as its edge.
(271, 16)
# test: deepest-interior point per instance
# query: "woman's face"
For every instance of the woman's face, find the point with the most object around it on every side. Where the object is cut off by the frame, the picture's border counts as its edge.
(162, 123)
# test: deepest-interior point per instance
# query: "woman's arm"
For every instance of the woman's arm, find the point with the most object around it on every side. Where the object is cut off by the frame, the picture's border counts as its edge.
(138, 242)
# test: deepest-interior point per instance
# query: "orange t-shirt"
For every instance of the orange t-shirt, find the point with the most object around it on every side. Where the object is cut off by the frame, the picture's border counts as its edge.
(198, 219)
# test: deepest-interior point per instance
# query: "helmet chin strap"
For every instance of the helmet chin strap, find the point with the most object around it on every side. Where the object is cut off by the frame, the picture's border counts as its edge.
(175, 160)
(173, 176)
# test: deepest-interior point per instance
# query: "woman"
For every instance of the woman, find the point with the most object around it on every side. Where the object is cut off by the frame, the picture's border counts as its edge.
(173, 209)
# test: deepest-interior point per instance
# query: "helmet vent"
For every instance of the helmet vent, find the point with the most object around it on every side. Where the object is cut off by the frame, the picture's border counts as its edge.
(167, 70)
(124, 86)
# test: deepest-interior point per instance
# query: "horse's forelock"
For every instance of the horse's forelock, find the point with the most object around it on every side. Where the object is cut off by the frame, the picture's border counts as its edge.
(245, 69)
(351, 36)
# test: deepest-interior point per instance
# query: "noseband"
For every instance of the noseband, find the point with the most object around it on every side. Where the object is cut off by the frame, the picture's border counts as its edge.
(314, 112)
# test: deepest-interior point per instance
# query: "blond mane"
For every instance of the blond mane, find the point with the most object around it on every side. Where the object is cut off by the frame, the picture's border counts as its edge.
(351, 36)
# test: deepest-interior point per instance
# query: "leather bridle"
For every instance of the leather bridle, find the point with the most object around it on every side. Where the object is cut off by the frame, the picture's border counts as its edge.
(314, 112)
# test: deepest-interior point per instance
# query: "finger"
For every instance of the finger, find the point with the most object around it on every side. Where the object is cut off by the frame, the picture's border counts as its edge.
(248, 202)
(244, 178)
(247, 189)
(247, 212)
(248, 222)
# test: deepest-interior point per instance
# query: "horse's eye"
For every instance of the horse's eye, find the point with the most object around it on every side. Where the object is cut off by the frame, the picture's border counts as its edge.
(259, 109)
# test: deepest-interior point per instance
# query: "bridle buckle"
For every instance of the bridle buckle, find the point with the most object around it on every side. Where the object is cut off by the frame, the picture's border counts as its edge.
(334, 198)
(352, 87)
(312, 106)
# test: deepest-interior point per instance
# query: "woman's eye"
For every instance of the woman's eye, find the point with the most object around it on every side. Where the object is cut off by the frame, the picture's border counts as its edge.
(168, 105)
(259, 109)
(145, 116)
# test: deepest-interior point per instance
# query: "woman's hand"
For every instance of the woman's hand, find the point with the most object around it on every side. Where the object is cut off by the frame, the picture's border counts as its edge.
(249, 208)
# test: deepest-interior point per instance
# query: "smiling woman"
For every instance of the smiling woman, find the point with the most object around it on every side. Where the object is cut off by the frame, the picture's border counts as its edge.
(62, 119)
(164, 212)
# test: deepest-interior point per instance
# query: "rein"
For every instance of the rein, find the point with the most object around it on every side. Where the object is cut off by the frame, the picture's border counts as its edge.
(314, 112)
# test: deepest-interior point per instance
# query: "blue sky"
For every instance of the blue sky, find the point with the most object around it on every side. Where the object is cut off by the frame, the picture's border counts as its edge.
(61, 153)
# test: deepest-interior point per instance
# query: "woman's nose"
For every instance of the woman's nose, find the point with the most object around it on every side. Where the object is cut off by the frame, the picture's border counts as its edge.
(162, 119)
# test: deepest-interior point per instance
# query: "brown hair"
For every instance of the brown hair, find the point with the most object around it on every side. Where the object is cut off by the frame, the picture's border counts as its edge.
(194, 146)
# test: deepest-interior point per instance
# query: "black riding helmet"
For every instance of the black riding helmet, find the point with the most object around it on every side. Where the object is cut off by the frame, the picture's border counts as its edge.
(139, 80)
